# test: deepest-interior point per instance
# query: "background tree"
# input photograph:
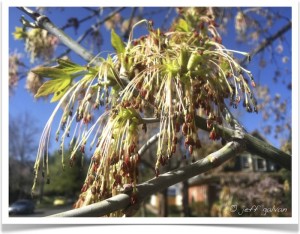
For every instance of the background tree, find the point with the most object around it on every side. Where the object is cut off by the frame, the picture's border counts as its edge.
(22, 148)
(66, 181)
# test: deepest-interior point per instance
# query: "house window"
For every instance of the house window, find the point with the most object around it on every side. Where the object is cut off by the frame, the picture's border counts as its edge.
(172, 192)
(272, 166)
(245, 162)
(260, 164)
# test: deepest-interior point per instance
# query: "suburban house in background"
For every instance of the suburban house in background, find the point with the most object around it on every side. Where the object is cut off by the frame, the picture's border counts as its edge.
(206, 188)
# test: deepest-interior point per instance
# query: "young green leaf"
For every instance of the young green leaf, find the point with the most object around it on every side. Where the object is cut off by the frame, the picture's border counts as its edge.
(51, 72)
(117, 42)
(182, 26)
(183, 59)
(70, 67)
(55, 86)
(19, 33)
(59, 94)
(194, 59)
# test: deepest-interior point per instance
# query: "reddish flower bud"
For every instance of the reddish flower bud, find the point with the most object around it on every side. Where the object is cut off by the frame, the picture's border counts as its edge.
(91, 179)
(135, 42)
(133, 199)
(184, 129)
(209, 124)
(213, 135)
(144, 127)
(156, 172)
(174, 140)
(138, 158)
(189, 140)
(188, 118)
(198, 144)
(95, 167)
(82, 148)
(201, 25)
(71, 162)
(218, 40)
(131, 149)
(186, 145)
(214, 23)
(249, 108)
(255, 109)
(156, 41)
(151, 23)
(84, 188)
(163, 160)
(191, 149)
(173, 150)
(177, 127)
(93, 190)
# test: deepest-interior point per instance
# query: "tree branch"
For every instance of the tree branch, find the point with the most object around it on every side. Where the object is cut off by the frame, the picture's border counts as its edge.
(234, 122)
(44, 22)
(144, 190)
(85, 34)
(252, 144)
(147, 145)
(267, 151)
(150, 120)
(268, 41)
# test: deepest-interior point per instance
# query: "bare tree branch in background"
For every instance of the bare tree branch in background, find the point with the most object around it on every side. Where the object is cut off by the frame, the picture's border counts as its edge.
(268, 41)
(22, 148)
(22, 137)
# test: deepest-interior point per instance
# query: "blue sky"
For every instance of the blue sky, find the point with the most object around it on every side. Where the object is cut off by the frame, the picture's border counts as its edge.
(21, 101)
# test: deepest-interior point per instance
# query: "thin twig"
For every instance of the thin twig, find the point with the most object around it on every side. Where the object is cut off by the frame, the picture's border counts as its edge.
(87, 32)
(148, 144)
(268, 41)
(95, 13)
(126, 34)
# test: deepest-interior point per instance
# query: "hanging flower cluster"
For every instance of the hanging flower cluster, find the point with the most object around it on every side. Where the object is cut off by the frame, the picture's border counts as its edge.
(14, 67)
(38, 43)
(33, 82)
(172, 76)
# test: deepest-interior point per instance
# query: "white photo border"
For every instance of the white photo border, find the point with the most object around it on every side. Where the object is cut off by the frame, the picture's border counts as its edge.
(5, 117)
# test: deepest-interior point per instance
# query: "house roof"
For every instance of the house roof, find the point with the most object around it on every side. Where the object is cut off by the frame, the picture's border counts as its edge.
(257, 134)
(238, 177)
